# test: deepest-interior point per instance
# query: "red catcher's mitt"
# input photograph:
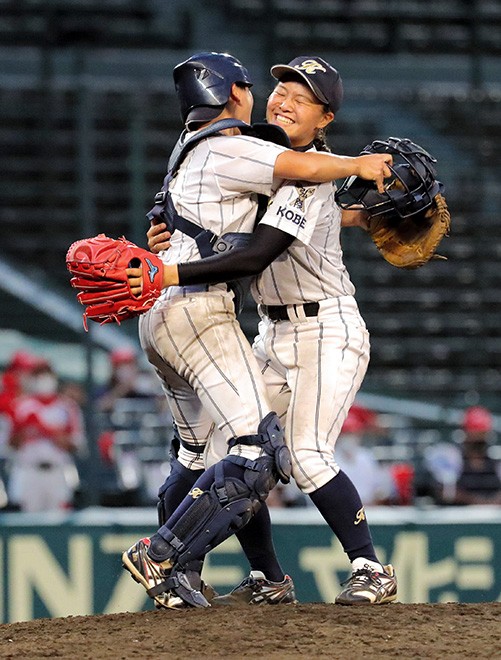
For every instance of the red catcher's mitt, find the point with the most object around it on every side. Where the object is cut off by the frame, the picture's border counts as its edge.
(98, 267)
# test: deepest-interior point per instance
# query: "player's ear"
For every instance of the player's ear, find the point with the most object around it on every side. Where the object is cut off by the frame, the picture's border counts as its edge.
(238, 93)
(326, 119)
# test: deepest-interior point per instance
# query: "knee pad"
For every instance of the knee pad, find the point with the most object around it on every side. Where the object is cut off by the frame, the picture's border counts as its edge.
(270, 437)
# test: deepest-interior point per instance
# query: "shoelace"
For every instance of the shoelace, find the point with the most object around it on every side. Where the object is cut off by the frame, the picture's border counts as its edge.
(360, 576)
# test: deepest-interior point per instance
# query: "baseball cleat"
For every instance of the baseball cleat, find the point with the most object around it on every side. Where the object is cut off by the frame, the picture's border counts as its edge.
(257, 590)
(367, 586)
(151, 574)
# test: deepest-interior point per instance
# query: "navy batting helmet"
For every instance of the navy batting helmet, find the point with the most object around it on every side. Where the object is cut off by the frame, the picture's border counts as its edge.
(203, 84)
(411, 188)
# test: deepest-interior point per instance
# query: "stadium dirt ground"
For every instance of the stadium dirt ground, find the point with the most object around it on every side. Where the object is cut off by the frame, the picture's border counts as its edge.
(316, 630)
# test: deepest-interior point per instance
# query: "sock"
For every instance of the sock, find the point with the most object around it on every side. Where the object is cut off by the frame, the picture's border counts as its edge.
(362, 562)
(257, 543)
(341, 507)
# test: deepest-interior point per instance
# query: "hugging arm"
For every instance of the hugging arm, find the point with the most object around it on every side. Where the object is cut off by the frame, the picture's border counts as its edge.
(266, 244)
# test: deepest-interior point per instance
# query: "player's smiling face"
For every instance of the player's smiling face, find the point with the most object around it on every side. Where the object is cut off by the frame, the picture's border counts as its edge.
(293, 106)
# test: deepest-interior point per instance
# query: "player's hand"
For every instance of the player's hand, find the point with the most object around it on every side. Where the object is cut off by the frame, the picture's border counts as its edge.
(158, 237)
(374, 167)
(135, 276)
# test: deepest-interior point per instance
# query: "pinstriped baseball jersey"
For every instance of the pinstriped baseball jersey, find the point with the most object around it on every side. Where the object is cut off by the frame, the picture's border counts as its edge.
(312, 268)
(216, 188)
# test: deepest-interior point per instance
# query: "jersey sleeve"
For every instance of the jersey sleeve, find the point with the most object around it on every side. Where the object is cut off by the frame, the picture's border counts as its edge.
(296, 207)
(243, 164)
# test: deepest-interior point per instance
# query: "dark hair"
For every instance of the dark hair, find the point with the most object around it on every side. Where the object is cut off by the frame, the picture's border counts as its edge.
(320, 142)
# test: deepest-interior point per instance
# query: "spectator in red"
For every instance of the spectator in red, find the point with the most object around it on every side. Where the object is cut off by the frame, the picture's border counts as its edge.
(14, 378)
(47, 432)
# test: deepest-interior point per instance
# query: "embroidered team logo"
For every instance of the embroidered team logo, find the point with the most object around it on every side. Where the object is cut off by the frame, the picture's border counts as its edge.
(310, 67)
(303, 194)
(359, 516)
(196, 492)
(152, 270)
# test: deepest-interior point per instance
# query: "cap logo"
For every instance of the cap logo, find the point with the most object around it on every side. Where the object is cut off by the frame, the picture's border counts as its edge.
(310, 67)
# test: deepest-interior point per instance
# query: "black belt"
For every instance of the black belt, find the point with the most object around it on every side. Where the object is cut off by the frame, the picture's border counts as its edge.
(280, 312)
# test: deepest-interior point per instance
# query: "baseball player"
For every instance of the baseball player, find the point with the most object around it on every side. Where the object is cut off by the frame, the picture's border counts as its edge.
(191, 335)
(313, 345)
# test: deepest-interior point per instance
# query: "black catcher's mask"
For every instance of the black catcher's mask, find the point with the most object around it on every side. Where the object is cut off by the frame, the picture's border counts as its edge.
(410, 190)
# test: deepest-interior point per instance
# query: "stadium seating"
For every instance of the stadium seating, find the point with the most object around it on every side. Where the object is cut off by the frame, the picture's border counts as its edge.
(84, 150)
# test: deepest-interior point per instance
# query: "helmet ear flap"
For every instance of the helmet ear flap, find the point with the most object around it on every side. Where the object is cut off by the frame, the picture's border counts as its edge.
(410, 189)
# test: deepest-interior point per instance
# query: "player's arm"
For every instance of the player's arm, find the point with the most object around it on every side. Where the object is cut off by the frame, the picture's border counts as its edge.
(266, 244)
(322, 167)
(159, 237)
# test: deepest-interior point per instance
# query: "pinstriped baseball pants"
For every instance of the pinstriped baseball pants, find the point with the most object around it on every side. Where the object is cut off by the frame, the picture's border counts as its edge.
(207, 369)
(313, 367)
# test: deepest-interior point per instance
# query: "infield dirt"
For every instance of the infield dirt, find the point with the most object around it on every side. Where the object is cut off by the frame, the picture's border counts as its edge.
(313, 630)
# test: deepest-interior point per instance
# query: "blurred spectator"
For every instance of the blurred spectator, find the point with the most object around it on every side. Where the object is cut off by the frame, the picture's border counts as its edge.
(47, 432)
(73, 390)
(467, 474)
(478, 481)
(13, 381)
(134, 431)
(127, 380)
(373, 481)
(122, 381)
(403, 475)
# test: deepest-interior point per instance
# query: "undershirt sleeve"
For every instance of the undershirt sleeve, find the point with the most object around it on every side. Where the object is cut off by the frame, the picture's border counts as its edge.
(266, 244)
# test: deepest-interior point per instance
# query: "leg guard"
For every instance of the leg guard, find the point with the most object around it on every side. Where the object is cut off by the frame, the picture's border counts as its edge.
(237, 490)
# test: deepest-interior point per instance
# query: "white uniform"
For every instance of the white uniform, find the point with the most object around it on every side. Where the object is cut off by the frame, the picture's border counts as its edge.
(313, 366)
(191, 335)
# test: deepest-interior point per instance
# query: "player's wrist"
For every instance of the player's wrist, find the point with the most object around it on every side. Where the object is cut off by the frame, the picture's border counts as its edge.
(170, 275)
